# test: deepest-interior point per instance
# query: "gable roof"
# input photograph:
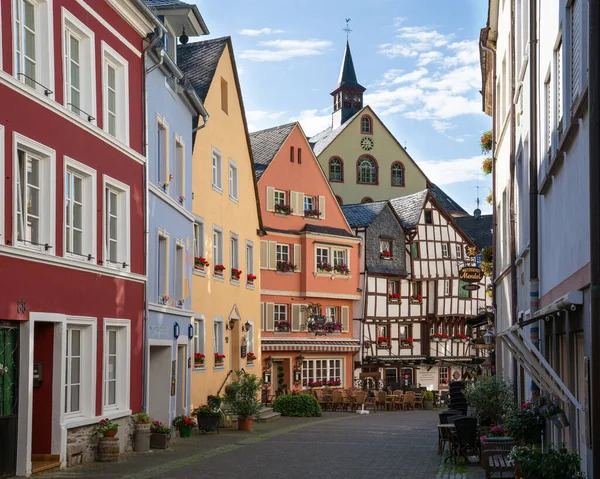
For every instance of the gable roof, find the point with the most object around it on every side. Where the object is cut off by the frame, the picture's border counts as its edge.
(448, 203)
(408, 208)
(265, 145)
(362, 214)
(199, 62)
(479, 229)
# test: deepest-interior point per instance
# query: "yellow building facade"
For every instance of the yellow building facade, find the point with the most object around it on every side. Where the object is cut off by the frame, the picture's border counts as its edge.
(225, 293)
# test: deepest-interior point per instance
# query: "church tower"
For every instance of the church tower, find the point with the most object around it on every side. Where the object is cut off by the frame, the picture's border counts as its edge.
(348, 94)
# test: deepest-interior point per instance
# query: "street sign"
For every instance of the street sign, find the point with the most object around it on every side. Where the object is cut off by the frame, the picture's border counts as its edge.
(470, 274)
(470, 287)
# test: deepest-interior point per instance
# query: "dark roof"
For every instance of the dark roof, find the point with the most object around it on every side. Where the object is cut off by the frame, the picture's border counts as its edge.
(323, 139)
(408, 208)
(199, 62)
(265, 145)
(448, 203)
(166, 3)
(362, 214)
(479, 229)
(309, 228)
(347, 73)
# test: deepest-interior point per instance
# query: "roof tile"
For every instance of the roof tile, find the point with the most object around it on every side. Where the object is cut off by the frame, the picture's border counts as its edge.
(362, 214)
(265, 145)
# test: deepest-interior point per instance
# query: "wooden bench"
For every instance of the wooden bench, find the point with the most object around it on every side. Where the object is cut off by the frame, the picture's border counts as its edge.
(494, 459)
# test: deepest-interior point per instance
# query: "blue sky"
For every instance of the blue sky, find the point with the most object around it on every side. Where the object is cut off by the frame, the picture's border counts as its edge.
(418, 59)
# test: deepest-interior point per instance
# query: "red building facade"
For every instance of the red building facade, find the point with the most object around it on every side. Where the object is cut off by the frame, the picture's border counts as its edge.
(72, 267)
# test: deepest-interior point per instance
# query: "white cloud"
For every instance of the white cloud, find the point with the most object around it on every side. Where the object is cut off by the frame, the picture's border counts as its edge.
(465, 53)
(445, 172)
(281, 50)
(429, 57)
(260, 115)
(312, 122)
(255, 33)
(397, 77)
(441, 125)
(395, 50)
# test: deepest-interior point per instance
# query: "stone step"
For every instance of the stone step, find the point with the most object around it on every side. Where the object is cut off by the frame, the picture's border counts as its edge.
(266, 414)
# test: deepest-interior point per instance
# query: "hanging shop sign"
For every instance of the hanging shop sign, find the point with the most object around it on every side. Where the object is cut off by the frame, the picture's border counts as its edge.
(471, 287)
(470, 274)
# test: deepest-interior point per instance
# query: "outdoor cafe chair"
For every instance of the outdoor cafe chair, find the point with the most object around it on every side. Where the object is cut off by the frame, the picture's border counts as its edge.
(409, 400)
(371, 401)
(466, 437)
(419, 400)
(399, 400)
(382, 399)
(359, 399)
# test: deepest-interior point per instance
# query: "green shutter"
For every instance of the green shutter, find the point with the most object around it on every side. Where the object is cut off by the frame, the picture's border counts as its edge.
(463, 293)
(8, 375)
(415, 250)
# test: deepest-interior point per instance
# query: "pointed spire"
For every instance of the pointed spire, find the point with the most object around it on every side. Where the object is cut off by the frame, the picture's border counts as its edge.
(347, 73)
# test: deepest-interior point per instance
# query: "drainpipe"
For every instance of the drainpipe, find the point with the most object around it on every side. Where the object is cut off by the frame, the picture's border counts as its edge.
(160, 61)
(594, 172)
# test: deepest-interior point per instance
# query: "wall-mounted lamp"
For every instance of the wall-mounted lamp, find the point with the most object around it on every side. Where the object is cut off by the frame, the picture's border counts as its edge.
(246, 327)
(487, 337)
(191, 331)
(297, 376)
(269, 362)
(176, 330)
(183, 39)
(230, 325)
(267, 377)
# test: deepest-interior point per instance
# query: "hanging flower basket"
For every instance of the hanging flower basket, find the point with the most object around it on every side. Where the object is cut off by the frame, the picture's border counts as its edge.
(486, 142)
(486, 166)
(489, 199)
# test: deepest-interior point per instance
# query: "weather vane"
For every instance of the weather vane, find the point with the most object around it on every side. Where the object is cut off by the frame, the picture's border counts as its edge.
(347, 29)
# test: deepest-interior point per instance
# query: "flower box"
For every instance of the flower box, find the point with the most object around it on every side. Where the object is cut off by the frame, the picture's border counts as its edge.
(386, 255)
(286, 267)
(416, 299)
(219, 359)
(324, 268)
(283, 326)
(460, 338)
(219, 268)
(439, 337)
(383, 342)
(283, 209)
(159, 440)
(250, 357)
(312, 213)
(250, 279)
(200, 263)
(235, 274)
(406, 343)
(199, 360)
(394, 298)
(341, 269)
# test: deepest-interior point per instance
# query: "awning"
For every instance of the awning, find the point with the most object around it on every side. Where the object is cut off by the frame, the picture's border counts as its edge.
(309, 346)
(536, 365)
(569, 301)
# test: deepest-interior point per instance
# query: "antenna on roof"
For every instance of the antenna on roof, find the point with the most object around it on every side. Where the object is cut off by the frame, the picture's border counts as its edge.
(347, 29)
(477, 212)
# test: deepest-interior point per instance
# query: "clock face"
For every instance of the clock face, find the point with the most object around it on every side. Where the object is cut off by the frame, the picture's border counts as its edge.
(367, 144)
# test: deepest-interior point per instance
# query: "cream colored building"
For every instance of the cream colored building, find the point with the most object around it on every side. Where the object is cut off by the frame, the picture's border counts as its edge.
(226, 231)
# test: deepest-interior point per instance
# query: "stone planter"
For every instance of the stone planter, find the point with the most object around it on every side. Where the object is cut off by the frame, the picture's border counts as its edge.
(427, 404)
(142, 427)
(141, 441)
(159, 441)
(208, 422)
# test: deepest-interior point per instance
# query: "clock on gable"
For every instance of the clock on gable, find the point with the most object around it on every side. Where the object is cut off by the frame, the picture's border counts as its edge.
(367, 144)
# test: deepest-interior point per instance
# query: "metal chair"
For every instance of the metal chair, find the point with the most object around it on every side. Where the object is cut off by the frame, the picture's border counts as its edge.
(466, 435)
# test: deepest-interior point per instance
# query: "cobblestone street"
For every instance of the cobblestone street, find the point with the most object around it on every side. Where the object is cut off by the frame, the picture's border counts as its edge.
(338, 445)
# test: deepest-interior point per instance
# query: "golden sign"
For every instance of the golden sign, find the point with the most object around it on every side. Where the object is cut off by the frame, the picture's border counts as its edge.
(470, 274)
(471, 251)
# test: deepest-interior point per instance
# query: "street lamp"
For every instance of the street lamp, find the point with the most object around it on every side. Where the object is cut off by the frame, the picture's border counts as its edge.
(487, 337)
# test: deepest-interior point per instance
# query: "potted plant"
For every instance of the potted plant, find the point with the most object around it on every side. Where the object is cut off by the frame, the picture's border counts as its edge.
(240, 396)
(219, 268)
(460, 338)
(235, 274)
(312, 213)
(199, 360)
(141, 440)
(250, 278)
(250, 357)
(164, 299)
(341, 269)
(416, 298)
(286, 267)
(383, 342)
(324, 267)
(486, 142)
(107, 428)
(386, 255)
(282, 326)
(406, 343)
(184, 424)
(283, 209)
(393, 298)
(143, 422)
(219, 359)
(553, 463)
(208, 417)
(487, 259)
(181, 199)
(161, 435)
(200, 262)
(428, 400)
(435, 337)
(492, 397)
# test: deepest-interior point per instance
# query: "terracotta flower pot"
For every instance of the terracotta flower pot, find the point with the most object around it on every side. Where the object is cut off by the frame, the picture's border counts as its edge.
(245, 424)
(109, 433)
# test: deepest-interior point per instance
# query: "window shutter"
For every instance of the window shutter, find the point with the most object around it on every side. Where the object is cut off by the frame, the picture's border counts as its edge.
(300, 199)
(272, 255)
(270, 198)
(322, 206)
(296, 317)
(345, 319)
(263, 318)
(298, 256)
(575, 49)
(264, 254)
(270, 316)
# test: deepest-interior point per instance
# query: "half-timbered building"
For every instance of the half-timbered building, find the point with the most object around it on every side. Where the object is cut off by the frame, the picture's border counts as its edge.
(413, 306)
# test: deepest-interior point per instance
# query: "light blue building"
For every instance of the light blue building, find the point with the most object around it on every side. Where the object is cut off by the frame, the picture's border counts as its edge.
(172, 112)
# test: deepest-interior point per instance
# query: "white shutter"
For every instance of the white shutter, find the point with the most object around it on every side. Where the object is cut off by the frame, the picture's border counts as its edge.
(293, 196)
(298, 256)
(345, 319)
(322, 206)
(300, 200)
(270, 198)
(263, 318)
(272, 255)
(264, 254)
(575, 49)
(296, 317)
(270, 316)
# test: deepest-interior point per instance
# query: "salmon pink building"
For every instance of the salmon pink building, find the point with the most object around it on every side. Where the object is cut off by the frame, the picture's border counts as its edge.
(308, 281)
(71, 226)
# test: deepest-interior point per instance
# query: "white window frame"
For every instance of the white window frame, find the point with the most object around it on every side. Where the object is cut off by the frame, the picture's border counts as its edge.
(199, 248)
(280, 193)
(162, 153)
(217, 247)
(335, 252)
(200, 339)
(89, 218)
(445, 250)
(178, 271)
(459, 249)
(87, 368)
(385, 244)
(124, 242)
(87, 70)
(327, 365)
(2, 159)
(249, 257)
(447, 287)
(250, 338)
(332, 314)
(280, 250)
(217, 170)
(123, 327)
(319, 257)
(309, 203)
(162, 235)
(331, 253)
(280, 313)
(179, 170)
(47, 193)
(234, 251)
(44, 45)
(121, 66)
(219, 323)
(233, 181)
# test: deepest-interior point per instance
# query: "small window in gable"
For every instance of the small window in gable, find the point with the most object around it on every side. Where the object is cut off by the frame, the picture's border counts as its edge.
(428, 217)
(339, 200)
(224, 96)
(291, 154)
(299, 156)
(367, 199)
(366, 125)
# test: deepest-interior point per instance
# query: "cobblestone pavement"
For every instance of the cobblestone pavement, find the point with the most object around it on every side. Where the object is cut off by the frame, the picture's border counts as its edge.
(399, 444)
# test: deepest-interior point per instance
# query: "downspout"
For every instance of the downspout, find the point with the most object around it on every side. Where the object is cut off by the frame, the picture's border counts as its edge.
(594, 172)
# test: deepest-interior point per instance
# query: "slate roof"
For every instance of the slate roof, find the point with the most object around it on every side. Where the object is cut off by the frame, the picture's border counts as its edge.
(265, 145)
(362, 214)
(309, 228)
(199, 61)
(408, 208)
(448, 203)
(166, 3)
(479, 229)
(348, 73)
(323, 139)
